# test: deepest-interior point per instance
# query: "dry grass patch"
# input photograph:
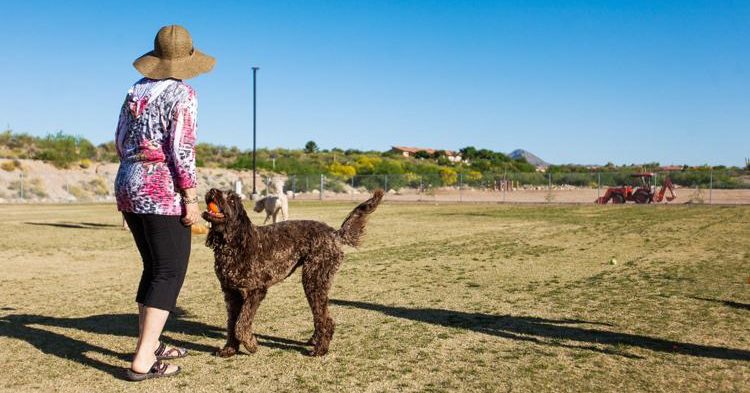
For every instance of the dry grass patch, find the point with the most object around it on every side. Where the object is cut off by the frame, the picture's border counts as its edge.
(440, 298)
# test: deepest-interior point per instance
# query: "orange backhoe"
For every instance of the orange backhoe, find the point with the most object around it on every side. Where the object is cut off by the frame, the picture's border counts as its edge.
(644, 193)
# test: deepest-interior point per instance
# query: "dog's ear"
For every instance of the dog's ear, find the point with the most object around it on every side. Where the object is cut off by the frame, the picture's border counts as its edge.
(235, 203)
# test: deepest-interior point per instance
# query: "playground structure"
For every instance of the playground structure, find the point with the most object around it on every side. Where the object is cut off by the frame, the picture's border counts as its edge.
(644, 193)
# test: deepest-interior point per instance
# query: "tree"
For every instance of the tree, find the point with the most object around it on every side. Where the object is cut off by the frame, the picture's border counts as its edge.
(422, 154)
(311, 147)
(469, 152)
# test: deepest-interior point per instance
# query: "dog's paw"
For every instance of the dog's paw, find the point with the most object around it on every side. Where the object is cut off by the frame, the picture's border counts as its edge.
(251, 345)
(317, 351)
(312, 341)
(226, 352)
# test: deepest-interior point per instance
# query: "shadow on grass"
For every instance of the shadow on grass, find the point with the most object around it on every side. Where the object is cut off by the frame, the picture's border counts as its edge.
(74, 225)
(728, 303)
(548, 331)
(31, 328)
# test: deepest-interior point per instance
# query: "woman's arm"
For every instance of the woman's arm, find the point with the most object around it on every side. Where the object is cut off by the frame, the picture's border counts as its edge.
(122, 123)
(182, 140)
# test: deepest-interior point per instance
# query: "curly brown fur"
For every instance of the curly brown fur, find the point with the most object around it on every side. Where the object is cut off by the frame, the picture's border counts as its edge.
(249, 259)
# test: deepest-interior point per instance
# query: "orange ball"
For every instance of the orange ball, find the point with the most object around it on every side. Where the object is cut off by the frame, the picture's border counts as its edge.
(213, 207)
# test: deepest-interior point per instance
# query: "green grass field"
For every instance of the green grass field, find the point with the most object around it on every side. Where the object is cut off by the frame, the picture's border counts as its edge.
(440, 298)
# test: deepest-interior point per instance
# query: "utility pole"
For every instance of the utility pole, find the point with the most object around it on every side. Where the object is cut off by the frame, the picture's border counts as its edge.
(255, 71)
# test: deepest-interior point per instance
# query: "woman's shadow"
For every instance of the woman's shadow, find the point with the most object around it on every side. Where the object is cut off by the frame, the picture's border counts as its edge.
(29, 328)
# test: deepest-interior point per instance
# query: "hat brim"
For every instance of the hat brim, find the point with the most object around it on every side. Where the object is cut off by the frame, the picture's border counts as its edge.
(155, 67)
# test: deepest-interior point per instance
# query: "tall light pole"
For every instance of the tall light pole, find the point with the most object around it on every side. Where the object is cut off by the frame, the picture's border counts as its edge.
(255, 70)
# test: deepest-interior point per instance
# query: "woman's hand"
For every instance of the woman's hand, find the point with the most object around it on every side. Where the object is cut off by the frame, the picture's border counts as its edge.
(190, 201)
(191, 214)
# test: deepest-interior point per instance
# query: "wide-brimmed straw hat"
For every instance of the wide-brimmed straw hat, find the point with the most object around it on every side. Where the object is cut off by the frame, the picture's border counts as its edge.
(173, 56)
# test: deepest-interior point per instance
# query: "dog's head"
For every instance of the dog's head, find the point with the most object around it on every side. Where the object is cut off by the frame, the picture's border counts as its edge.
(229, 206)
(260, 205)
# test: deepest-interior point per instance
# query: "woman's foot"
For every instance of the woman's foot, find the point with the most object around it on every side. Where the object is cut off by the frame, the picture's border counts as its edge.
(157, 370)
(164, 352)
(144, 364)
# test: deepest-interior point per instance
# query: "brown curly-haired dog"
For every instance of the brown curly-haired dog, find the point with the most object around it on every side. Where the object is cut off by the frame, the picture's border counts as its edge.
(249, 259)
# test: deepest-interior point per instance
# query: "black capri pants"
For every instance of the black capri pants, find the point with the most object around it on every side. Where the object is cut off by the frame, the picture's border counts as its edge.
(164, 245)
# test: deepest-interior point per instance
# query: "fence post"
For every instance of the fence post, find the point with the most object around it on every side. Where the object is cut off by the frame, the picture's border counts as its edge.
(421, 187)
(294, 185)
(385, 182)
(21, 187)
(460, 187)
(549, 187)
(353, 187)
(505, 183)
(710, 185)
(322, 179)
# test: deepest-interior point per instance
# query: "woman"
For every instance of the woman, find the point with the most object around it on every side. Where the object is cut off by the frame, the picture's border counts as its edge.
(155, 186)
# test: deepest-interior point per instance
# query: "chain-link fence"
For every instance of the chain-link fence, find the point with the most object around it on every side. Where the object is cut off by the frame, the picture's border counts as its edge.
(699, 186)
(34, 182)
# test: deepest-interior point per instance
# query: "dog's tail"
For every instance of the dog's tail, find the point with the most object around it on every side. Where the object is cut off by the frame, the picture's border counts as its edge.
(353, 228)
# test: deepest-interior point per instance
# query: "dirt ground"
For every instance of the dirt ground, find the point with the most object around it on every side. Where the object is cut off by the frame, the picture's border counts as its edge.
(454, 297)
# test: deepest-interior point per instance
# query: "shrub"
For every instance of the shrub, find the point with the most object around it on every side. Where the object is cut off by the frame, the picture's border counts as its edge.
(31, 187)
(342, 171)
(36, 187)
(448, 176)
(107, 152)
(98, 186)
(79, 193)
(366, 164)
(10, 166)
(62, 150)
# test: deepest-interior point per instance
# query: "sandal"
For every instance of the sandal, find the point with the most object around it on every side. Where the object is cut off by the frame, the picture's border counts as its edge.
(158, 370)
(162, 353)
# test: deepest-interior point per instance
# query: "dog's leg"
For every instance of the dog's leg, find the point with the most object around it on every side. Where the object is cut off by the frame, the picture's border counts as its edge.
(266, 220)
(233, 301)
(308, 285)
(244, 327)
(275, 212)
(316, 279)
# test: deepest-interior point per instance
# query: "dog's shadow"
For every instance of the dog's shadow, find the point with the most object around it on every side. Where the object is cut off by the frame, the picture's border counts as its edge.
(32, 329)
(566, 333)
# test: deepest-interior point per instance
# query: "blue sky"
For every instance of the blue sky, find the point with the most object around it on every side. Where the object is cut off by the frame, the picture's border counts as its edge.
(571, 81)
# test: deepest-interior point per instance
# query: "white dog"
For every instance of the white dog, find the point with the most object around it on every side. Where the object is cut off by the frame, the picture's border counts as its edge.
(273, 204)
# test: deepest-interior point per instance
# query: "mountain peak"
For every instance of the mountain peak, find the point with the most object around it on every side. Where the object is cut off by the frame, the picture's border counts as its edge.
(531, 158)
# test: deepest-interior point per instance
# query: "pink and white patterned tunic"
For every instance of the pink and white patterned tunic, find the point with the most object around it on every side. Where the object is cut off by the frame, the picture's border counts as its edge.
(155, 140)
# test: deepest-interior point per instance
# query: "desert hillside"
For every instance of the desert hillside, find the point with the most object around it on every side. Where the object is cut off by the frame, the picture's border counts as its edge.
(43, 182)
